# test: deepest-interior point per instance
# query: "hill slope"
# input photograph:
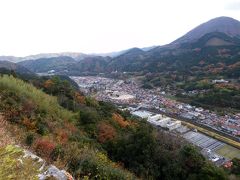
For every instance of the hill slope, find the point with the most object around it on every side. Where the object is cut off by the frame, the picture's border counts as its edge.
(52, 131)
(46, 64)
(226, 25)
(14, 67)
(83, 140)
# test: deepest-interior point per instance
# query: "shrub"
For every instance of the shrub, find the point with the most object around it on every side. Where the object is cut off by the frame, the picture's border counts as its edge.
(89, 116)
(43, 102)
(91, 102)
(44, 147)
(120, 120)
(62, 136)
(236, 166)
(42, 128)
(86, 162)
(28, 124)
(105, 132)
(80, 98)
(29, 139)
(57, 152)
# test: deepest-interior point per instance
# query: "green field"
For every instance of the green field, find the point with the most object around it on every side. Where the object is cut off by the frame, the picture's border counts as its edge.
(229, 152)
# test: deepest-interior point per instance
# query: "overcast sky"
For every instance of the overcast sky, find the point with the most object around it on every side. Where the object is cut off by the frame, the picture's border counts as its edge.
(96, 26)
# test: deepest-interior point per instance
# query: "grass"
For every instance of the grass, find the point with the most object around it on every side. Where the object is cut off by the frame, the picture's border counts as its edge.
(97, 165)
(5, 136)
(214, 135)
(43, 101)
(15, 166)
(229, 152)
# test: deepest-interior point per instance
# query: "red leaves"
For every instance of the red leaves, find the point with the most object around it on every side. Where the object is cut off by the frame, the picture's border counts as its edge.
(44, 147)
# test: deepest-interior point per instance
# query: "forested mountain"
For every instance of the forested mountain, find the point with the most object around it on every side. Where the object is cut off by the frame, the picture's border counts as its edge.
(226, 25)
(216, 41)
(46, 64)
(6, 65)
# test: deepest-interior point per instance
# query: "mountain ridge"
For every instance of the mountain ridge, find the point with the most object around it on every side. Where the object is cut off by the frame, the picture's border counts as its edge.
(227, 25)
(159, 58)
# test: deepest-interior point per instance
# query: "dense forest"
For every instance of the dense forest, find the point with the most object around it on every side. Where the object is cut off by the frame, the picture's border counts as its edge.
(95, 140)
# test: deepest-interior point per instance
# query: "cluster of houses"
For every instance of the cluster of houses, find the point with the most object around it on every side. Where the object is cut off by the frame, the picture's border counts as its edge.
(129, 93)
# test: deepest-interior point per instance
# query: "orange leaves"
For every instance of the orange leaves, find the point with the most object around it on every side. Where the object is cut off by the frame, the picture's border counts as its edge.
(28, 124)
(79, 98)
(105, 132)
(120, 120)
(70, 127)
(62, 136)
(44, 147)
(49, 83)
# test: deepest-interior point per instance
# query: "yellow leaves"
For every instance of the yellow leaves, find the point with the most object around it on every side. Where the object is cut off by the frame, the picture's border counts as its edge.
(102, 157)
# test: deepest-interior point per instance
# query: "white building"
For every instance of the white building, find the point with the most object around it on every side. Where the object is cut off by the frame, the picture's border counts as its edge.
(142, 114)
(155, 117)
(219, 81)
(173, 125)
(51, 71)
(163, 122)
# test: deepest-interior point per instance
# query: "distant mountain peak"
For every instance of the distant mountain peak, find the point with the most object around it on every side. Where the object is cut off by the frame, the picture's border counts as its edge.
(226, 25)
(134, 50)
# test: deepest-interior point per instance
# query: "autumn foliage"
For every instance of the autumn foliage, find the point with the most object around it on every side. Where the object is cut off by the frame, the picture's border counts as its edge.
(105, 132)
(70, 127)
(28, 123)
(120, 120)
(62, 136)
(80, 98)
(44, 147)
(49, 83)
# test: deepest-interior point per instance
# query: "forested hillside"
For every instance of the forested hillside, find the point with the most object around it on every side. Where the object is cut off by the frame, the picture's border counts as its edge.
(92, 139)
